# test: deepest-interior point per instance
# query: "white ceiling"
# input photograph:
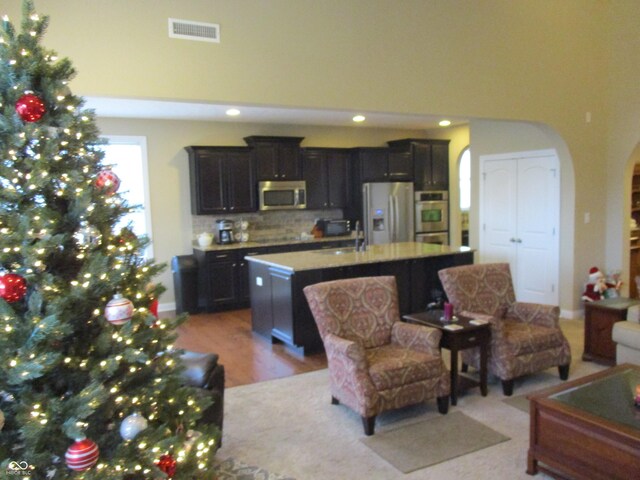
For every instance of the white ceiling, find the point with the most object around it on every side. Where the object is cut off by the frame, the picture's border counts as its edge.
(173, 110)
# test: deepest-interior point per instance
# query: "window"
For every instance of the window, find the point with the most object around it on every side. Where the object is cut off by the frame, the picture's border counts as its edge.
(127, 156)
(464, 175)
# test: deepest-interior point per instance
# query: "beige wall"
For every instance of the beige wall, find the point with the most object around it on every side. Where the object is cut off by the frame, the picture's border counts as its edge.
(623, 132)
(540, 61)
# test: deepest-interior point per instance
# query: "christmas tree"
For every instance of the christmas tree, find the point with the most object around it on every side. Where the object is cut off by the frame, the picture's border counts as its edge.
(90, 385)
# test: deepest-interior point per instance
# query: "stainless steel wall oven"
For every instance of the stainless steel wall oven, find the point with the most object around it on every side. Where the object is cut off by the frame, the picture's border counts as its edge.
(432, 211)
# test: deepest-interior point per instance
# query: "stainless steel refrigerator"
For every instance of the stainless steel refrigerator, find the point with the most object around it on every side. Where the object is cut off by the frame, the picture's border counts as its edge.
(388, 212)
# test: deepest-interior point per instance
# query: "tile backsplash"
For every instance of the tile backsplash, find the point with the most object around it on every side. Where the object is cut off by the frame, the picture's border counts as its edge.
(268, 226)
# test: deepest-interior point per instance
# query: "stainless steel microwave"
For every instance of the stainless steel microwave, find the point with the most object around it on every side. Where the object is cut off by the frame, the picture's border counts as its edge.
(282, 195)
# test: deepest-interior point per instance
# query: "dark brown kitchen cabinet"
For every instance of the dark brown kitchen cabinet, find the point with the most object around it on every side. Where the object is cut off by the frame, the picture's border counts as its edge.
(279, 309)
(400, 166)
(276, 158)
(326, 171)
(218, 279)
(429, 159)
(243, 274)
(374, 164)
(224, 278)
(223, 275)
(222, 180)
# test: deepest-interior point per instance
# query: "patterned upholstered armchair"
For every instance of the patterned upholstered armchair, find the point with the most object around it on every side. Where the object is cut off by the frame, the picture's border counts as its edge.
(376, 362)
(525, 337)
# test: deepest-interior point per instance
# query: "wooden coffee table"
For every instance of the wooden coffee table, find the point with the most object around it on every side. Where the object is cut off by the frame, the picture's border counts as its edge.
(469, 336)
(588, 428)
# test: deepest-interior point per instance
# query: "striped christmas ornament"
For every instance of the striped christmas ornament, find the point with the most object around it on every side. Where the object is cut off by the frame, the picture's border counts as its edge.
(82, 455)
(119, 310)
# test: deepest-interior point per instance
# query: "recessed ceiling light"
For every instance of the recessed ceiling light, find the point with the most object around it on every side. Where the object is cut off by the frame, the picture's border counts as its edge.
(232, 112)
(444, 123)
(358, 118)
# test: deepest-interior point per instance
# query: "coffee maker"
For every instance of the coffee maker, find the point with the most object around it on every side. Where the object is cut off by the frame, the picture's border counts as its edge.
(224, 231)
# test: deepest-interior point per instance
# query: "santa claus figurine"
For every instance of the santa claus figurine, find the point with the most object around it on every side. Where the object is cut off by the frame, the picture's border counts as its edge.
(597, 287)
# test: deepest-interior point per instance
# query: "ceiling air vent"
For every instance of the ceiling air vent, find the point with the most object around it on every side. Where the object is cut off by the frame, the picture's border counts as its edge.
(203, 32)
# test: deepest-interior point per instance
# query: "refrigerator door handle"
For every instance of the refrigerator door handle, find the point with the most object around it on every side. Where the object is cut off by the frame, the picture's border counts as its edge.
(368, 234)
(392, 218)
(396, 213)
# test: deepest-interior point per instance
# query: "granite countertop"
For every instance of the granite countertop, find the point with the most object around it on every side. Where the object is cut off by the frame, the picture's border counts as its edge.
(342, 257)
(270, 243)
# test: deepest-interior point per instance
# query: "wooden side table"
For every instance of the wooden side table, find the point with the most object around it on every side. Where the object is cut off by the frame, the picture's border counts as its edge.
(599, 318)
(469, 336)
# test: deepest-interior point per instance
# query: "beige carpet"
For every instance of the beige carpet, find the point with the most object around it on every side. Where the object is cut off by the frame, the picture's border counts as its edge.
(432, 441)
(521, 402)
(289, 427)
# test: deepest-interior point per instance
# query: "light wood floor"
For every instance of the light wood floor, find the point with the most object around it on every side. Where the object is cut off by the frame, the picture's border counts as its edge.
(247, 357)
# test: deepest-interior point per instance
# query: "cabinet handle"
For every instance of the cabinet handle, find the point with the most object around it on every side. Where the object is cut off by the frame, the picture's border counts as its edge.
(222, 256)
(233, 265)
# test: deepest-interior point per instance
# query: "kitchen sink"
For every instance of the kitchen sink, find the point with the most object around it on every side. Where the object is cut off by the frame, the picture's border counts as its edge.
(340, 251)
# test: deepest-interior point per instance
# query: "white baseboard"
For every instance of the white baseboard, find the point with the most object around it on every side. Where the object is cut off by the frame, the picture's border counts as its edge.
(572, 314)
(167, 307)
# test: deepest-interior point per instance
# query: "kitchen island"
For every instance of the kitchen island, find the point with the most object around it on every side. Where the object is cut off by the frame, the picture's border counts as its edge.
(279, 308)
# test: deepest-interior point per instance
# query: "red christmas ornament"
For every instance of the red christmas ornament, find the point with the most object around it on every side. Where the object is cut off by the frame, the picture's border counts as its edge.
(30, 107)
(82, 455)
(126, 236)
(167, 464)
(12, 287)
(153, 308)
(108, 182)
(119, 310)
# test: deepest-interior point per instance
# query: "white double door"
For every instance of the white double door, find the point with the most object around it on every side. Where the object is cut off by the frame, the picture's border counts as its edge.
(519, 220)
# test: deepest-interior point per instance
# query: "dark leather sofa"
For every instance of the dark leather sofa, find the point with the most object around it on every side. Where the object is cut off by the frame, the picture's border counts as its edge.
(203, 370)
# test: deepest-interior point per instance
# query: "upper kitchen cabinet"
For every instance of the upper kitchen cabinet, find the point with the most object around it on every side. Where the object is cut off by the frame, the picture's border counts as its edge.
(222, 180)
(380, 165)
(430, 160)
(276, 158)
(326, 171)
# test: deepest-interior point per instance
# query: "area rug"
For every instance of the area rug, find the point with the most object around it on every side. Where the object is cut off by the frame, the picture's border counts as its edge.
(432, 441)
(231, 469)
(521, 402)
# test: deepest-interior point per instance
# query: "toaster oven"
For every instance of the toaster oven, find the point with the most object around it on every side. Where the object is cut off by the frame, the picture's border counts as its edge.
(335, 228)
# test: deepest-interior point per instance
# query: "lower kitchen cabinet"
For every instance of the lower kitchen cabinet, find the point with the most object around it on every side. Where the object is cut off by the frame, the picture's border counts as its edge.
(223, 275)
(218, 279)
(282, 325)
(280, 312)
